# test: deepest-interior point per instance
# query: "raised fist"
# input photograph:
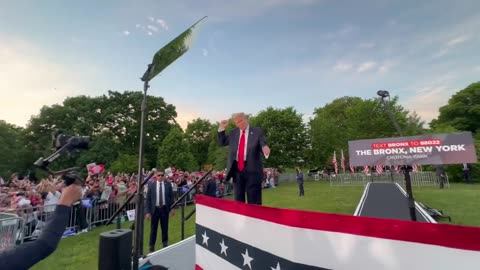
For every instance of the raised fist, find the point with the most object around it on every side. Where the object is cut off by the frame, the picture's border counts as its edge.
(223, 124)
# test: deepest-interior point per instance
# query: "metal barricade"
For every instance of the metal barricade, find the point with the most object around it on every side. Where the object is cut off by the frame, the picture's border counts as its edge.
(10, 231)
(360, 179)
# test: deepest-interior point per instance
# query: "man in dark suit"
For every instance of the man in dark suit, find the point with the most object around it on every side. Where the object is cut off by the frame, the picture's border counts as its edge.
(210, 187)
(246, 145)
(159, 202)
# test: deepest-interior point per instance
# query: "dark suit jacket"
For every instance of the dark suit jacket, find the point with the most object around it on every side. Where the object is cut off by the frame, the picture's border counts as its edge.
(211, 187)
(152, 196)
(256, 140)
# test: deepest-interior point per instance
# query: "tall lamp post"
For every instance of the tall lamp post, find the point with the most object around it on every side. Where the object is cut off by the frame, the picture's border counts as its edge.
(408, 181)
(163, 58)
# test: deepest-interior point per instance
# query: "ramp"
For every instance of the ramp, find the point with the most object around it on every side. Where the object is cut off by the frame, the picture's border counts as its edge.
(388, 200)
(180, 255)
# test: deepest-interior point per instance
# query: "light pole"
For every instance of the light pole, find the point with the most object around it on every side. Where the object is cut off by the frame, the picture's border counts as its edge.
(163, 58)
(408, 181)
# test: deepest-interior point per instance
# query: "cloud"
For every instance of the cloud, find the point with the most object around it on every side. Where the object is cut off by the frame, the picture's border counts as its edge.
(366, 66)
(341, 67)
(138, 25)
(450, 44)
(126, 32)
(340, 33)
(150, 33)
(230, 10)
(458, 40)
(32, 80)
(476, 69)
(204, 52)
(385, 67)
(366, 45)
(392, 22)
(152, 27)
(440, 53)
(151, 19)
(163, 24)
(428, 99)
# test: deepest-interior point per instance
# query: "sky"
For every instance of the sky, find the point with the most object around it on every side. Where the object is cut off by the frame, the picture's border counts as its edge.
(248, 54)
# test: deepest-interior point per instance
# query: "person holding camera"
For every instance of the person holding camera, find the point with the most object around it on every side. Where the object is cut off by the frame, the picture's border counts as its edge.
(28, 254)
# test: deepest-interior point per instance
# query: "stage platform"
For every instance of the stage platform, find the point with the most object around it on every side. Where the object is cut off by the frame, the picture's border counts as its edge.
(388, 200)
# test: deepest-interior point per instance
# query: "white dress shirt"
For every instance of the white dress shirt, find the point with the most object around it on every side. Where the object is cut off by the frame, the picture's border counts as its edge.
(160, 188)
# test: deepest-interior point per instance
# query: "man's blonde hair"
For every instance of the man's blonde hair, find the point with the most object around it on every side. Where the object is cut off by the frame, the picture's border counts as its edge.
(239, 114)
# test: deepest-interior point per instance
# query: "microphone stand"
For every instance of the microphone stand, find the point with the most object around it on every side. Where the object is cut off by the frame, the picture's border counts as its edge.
(406, 171)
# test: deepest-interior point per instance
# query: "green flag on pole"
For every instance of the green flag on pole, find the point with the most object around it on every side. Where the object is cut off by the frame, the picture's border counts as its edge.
(171, 52)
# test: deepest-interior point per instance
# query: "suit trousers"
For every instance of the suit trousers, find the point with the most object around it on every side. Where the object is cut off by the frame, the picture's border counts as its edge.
(159, 214)
(250, 183)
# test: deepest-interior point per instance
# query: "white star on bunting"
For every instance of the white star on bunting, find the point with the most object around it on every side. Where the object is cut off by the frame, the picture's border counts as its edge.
(247, 260)
(276, 268)
(205, 238)
(223, 247)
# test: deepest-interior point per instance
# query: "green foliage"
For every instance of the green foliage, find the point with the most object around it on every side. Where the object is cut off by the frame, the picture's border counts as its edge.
(103, 150)
(12, 150)
(462, 111)
(198, 135)
(125, 164)
(112, 121)
(218, 156)
(175, 151)
(353, 118)
(285, 135)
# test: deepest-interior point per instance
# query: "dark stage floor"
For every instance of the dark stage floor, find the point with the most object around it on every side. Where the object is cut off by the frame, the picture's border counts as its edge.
(386, 200)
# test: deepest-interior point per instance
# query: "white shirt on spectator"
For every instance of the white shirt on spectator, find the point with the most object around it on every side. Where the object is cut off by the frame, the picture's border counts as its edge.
(51, 201)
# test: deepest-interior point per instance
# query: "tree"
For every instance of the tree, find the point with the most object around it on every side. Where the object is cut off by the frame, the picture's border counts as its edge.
(175, 151)
(218, 156)
(285, 135)
(125, 164)
(462, 111)
(12, 150)
(198, 135)
(352, 118)
(103, 150)
(114, 119)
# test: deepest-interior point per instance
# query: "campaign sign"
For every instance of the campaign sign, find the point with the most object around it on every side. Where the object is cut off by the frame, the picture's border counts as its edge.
(452, 148)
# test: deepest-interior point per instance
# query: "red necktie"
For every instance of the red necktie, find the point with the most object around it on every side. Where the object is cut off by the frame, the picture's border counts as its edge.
(241, 152)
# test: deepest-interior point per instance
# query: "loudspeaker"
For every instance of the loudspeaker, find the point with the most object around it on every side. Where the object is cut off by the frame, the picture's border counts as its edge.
(115, 251)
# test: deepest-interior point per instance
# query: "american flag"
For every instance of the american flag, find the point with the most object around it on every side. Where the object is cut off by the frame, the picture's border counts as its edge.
(352, 169)
(342, 162)
(396, 168)
(379, 168)
(334, 161)
(233, 235)
(366, 169)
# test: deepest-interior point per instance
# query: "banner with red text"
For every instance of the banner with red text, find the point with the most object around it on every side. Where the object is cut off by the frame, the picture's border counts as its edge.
(452, 148)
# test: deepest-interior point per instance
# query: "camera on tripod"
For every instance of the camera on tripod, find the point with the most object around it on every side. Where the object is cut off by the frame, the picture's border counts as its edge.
(64, 144)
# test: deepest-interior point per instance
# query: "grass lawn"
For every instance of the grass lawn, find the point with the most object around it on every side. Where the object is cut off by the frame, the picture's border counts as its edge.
(459, 201)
